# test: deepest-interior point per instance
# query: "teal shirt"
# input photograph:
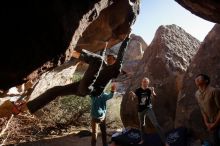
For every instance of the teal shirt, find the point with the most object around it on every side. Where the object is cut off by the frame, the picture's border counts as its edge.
(98, 109)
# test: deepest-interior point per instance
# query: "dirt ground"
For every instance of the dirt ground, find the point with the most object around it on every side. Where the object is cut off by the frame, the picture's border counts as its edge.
(70, 140)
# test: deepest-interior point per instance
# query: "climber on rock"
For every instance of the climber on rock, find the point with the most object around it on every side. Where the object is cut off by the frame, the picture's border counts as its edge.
(97, 76)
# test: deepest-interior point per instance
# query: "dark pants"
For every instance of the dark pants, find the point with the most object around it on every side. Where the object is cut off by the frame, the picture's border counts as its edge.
(213, 137)
(149, 113)
(81, 88)
(216, 136)
(102, 124)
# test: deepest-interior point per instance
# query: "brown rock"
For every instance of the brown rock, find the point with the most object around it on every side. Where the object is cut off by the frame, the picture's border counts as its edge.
(207, 9)
(136, 48)
(40, 35)
(141, 40)
(59, 76)
(164, 63)
(112, 23)
(205, 61)
(133, 54)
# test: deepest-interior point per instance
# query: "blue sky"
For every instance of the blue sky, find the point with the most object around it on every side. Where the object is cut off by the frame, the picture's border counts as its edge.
(154, 13)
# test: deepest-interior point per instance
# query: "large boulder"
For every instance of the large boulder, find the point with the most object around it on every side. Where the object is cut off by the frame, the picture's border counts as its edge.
(206, 9)
(39, 35)
(164, 63)
(57, 77)
(112, 24)
(205, 61)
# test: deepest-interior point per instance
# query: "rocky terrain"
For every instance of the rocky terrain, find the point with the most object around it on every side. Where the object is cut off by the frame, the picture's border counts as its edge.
(45, 33)
(39, 37)
(164, 63)
(205, 61)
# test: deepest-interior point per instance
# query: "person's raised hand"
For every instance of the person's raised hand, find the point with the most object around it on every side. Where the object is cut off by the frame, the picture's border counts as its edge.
(153, 91)
(132, 95)
(75, 54)
(113, 88)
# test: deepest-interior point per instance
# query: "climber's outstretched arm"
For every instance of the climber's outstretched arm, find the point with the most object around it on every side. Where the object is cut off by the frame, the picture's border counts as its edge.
(87, 56)
(122, 50)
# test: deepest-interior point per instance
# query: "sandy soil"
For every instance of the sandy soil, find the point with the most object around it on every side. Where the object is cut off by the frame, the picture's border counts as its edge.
(70, 140)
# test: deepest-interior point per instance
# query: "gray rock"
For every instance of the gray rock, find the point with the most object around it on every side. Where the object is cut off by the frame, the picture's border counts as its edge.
(57, 77)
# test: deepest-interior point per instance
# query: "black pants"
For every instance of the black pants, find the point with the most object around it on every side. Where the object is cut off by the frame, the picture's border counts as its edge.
(216, 136)
(102, 124)
(81, 88)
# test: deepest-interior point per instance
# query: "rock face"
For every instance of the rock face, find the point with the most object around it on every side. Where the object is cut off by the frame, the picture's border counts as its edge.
(57, 77)
(164, 63)
(112, 23)
(207, 9)
(134, 52)
(136, 48)
(132, 57)
(205, 61)
(39, 35)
